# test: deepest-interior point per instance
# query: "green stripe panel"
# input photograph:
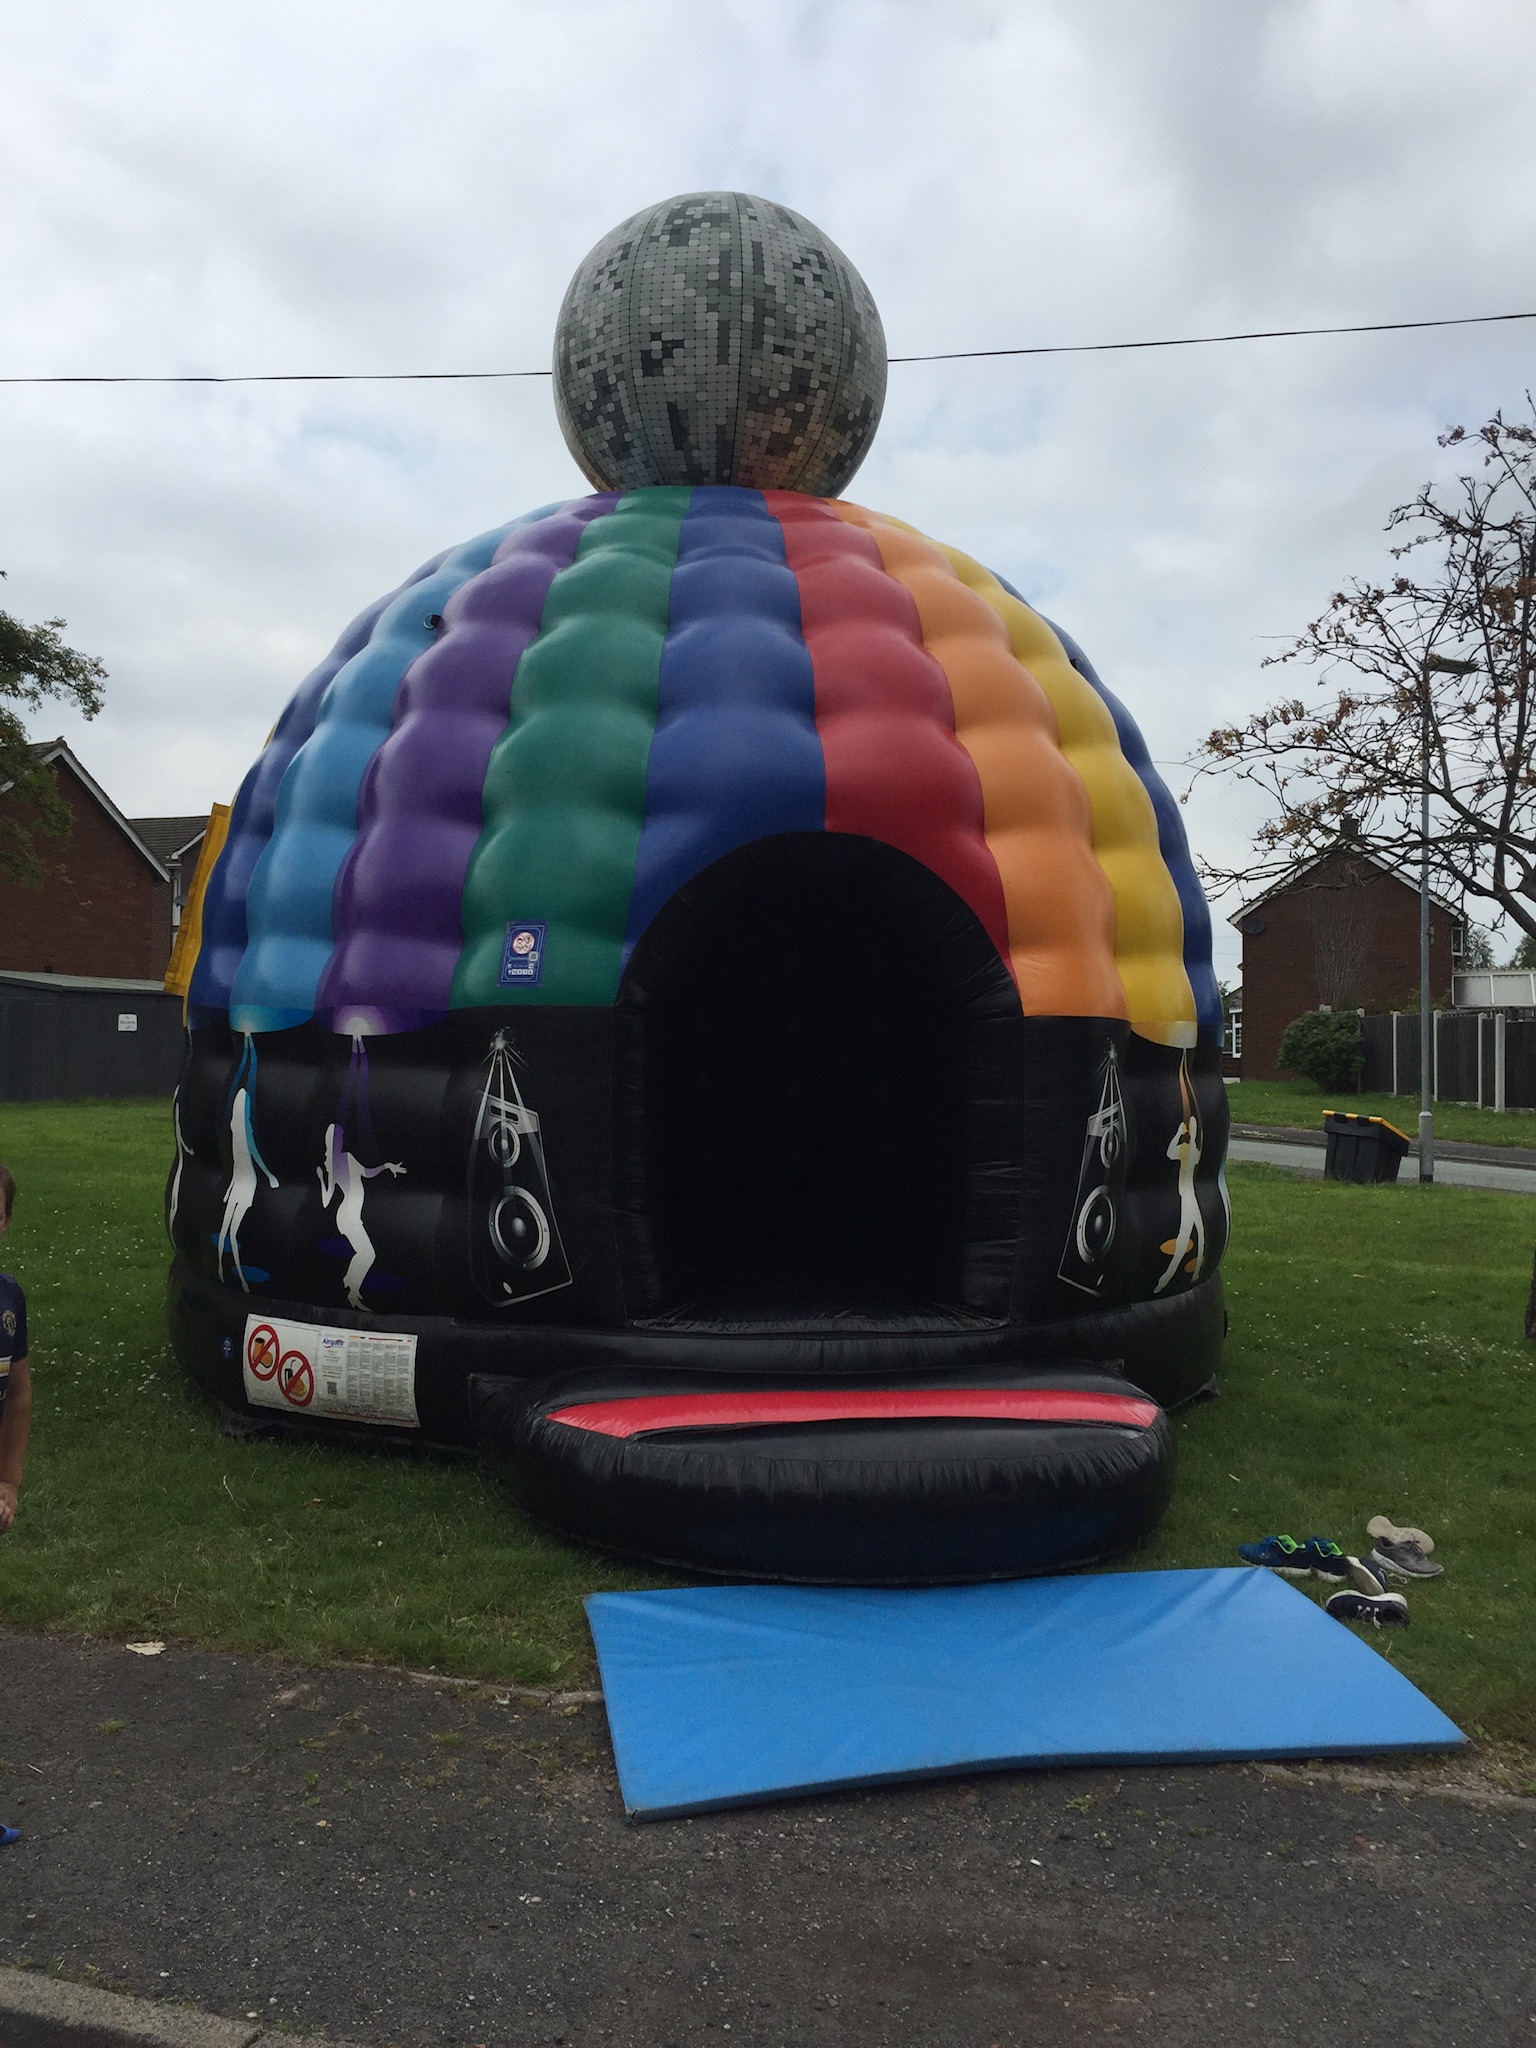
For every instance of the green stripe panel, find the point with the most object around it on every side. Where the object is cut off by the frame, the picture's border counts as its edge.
(564, 794)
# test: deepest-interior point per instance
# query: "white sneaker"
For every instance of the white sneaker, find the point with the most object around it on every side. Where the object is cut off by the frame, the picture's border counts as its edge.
(1378, 1525)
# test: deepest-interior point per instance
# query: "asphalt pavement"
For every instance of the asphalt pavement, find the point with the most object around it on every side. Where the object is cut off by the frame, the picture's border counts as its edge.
(380, 1860)
(1461, 1166)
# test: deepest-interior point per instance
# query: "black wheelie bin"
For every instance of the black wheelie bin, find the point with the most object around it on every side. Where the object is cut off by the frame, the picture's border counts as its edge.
(1362, 1148)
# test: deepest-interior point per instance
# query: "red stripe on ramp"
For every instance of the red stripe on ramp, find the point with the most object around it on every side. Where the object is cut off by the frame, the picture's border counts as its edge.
(773, 1406)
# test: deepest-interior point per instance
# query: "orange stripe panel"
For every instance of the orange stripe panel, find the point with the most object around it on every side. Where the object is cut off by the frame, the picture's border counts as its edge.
(1038, 819)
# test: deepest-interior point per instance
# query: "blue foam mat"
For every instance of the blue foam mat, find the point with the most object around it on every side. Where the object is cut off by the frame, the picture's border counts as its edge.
(728, 1695)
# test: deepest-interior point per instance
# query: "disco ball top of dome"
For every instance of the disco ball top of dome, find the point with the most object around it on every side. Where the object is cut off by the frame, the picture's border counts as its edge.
(719, 339)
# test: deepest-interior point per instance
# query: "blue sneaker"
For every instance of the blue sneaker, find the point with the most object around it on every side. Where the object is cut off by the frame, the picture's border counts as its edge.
(1321, 1555)
(8, 1835)
(1280, 1553)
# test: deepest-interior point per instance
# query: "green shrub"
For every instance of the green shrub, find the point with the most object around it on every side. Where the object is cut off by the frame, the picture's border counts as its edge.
(1325, 1046)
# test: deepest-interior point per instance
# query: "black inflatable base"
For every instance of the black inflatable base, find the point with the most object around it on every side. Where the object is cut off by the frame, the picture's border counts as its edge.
(1170, 1348)
(864, 1497)
(884, 1500)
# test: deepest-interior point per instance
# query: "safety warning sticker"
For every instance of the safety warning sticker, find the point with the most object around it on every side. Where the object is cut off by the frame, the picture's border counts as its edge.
(311, 1369)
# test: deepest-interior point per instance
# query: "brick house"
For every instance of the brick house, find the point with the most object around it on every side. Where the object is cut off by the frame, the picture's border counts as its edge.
(108, 903)
(1342, 932)
(175, 843)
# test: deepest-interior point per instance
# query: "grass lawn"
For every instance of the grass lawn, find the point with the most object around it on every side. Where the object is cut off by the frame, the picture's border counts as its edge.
(1376, 1365)
(1303, 1103)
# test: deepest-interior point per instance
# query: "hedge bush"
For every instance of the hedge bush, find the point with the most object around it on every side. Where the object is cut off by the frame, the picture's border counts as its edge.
(1325, 1046)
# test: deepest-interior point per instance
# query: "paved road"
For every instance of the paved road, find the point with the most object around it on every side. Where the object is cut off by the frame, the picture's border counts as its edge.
(1453, 1173)
(395, 1864)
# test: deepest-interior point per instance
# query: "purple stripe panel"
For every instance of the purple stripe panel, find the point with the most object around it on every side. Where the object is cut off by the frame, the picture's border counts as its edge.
(225, 930)
(397, 912)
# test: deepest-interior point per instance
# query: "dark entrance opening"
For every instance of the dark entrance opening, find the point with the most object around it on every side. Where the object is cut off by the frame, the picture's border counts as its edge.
(818, 1090)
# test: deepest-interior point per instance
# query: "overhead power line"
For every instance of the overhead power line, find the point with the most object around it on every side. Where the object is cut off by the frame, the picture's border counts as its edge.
(1088, 348)
(305, 377)
(959, 355)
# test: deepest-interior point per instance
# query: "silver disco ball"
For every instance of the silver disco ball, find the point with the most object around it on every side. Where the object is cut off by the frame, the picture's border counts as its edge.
(719, 339)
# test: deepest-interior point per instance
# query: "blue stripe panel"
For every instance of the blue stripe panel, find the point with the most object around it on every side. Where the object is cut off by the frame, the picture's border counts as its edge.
(1172, 842)
(735, 755)
(731, 1695)
(288, 907)
(251, 816)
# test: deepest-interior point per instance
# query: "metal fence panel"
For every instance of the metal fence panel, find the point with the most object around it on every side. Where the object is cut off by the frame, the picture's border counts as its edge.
(70, 1045)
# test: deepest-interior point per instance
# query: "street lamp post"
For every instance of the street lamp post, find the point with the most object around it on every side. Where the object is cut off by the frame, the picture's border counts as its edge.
(1434, 664)
(1426, 1015)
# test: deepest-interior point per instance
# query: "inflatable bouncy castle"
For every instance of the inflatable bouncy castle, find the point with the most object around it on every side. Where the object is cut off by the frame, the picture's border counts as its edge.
(704, 997)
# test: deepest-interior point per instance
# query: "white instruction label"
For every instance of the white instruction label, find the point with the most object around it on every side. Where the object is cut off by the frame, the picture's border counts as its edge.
(311, 1369)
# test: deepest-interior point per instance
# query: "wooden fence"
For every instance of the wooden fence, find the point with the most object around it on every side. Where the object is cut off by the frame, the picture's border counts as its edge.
(1481, 1056)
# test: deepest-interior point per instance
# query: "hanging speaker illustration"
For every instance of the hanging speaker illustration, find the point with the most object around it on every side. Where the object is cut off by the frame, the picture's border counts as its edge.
(1100, 1187)
(514, 1242)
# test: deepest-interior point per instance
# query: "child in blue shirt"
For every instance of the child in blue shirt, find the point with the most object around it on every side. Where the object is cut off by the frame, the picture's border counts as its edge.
(15, 1389)
(15, 1372)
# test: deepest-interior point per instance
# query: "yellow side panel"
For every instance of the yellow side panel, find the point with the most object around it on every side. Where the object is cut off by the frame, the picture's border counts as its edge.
(189, 933)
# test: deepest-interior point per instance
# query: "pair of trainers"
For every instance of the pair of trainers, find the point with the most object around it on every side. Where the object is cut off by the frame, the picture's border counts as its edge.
(1363, 1593)
(1396, 1553)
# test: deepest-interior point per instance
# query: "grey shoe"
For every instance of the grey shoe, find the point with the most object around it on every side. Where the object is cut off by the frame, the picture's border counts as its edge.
(1378, 1525)
(1403, 1560)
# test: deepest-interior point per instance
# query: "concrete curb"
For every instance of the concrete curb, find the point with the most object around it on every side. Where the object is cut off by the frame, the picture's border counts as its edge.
(1350, 1778)
(49, 2012)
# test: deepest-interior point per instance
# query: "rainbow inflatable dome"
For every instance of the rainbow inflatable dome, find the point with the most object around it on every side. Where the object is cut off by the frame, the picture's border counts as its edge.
(704, 997)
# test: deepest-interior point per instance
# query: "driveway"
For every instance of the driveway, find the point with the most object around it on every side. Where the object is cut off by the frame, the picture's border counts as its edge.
(387, 1861)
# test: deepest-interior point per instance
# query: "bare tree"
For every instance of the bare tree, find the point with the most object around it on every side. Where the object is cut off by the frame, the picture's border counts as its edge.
(1432, 672)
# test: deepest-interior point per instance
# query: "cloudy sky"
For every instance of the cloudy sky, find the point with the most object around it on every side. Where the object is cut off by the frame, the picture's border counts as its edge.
(354, 185)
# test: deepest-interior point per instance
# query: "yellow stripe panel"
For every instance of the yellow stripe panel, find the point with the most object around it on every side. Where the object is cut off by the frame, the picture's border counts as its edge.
(1149, 924)
(189, 933)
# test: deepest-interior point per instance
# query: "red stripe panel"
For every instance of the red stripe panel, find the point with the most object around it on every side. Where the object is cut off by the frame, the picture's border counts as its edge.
(771, 1407)
(884, 713)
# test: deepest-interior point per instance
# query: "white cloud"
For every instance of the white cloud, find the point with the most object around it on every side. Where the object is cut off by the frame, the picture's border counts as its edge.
(346, 184)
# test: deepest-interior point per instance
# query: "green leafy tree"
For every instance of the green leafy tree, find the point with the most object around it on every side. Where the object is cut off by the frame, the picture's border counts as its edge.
(1325, 1046)
(35, 664)
(1478, 948)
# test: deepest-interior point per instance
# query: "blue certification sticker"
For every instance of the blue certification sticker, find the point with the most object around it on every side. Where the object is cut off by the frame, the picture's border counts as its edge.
(522, 956)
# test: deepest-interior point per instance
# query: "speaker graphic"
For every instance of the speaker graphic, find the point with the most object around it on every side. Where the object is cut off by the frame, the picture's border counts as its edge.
(515, 1251)
(1100, 1187)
